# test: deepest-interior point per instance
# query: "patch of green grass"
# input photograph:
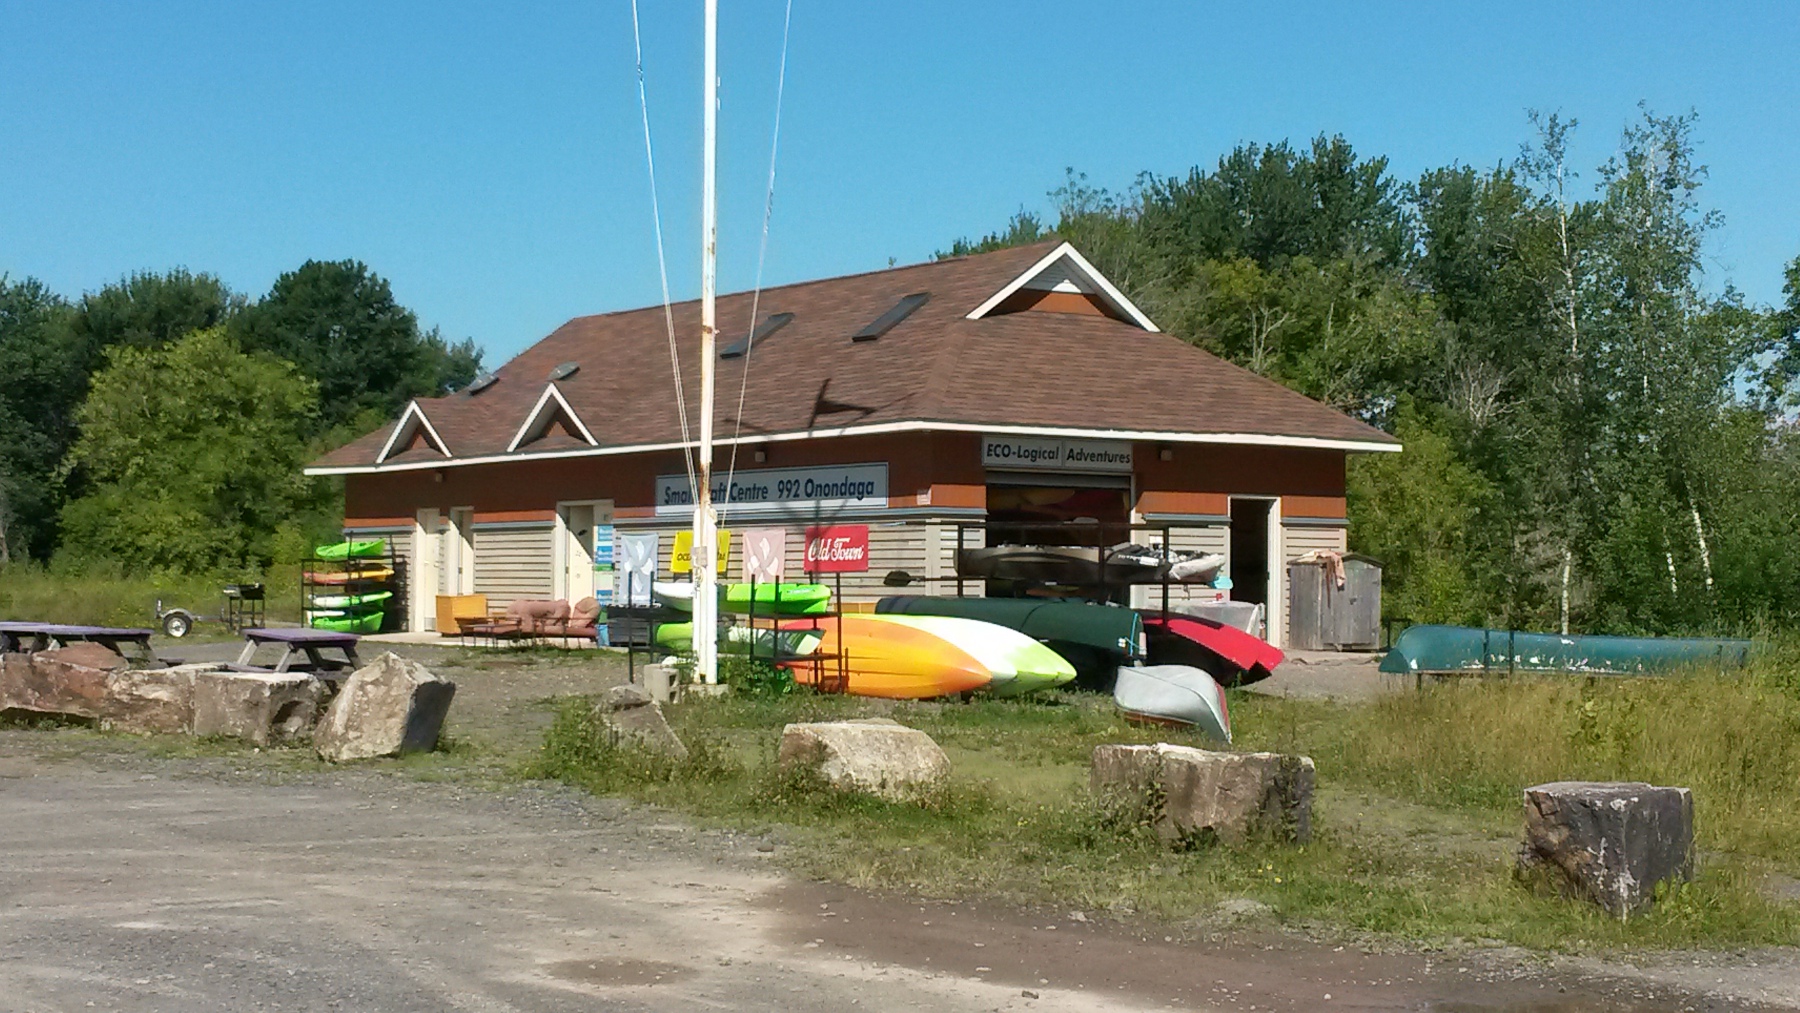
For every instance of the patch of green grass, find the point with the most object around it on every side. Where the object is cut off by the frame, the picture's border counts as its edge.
(105, 595)
(1415, 823)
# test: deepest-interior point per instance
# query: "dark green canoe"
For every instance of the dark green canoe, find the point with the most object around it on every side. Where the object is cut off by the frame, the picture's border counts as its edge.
(1096, 639)
(1446, 650)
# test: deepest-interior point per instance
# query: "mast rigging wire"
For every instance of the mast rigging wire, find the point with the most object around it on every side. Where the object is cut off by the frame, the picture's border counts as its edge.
(662, 261)
(762, 255)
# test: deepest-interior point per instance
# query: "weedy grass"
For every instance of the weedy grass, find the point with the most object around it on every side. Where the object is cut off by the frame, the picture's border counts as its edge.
(1415, 823)
(103, 595)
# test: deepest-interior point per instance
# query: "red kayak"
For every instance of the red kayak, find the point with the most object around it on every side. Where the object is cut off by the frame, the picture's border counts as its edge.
(1233, 657)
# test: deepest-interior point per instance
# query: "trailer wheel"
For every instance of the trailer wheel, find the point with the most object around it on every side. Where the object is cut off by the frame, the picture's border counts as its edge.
(177, 624)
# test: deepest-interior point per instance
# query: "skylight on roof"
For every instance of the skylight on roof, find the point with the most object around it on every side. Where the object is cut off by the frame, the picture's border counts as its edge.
(775, 322)
(889, 320)
(481, 383)
(564, 371)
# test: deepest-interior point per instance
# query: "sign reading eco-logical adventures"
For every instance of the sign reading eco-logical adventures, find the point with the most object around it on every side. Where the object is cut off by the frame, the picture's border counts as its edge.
(636, 558)
(681, 560)
(765, 549)
(785, 492)
(839, 548)
(603, 564)
(1023, 453)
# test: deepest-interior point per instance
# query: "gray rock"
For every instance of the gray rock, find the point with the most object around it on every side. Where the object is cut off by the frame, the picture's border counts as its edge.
(877, 755)
(89, 681)
(266, 708)
(1197, 794)
(632, 718)
(1610, 843)
(389, 707)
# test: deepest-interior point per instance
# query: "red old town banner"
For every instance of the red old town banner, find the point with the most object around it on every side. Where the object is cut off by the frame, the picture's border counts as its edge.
(839, 548)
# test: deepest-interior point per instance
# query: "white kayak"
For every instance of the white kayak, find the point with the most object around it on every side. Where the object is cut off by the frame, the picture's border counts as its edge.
(1174, 694)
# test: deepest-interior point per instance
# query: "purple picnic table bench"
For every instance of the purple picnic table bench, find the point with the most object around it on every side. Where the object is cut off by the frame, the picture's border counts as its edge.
(29, 637)
(300, 642)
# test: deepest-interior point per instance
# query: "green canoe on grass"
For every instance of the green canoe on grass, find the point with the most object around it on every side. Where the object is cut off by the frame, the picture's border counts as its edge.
(350, 601)
(353, 549)
(1464, 650)
(350, 624)
(779, 644)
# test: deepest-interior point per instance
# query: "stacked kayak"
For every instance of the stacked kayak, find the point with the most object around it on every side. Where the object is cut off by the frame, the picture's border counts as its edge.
(918, 657)
(358, 576)
(1174, 694)
(1095, 639)
(350, 601)
(771, 599)
(365, 548)
(763, 643)
(345, 622)
(1230, 655)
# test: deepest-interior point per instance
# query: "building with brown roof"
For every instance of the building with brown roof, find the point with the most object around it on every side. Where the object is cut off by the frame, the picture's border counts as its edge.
(1017, 387)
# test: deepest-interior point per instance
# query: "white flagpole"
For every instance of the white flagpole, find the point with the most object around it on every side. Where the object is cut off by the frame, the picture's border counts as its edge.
(706, 600)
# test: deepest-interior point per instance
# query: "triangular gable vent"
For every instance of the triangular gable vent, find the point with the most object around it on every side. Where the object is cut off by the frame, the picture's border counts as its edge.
(552, 411)
(1064, 271)
(412, 430)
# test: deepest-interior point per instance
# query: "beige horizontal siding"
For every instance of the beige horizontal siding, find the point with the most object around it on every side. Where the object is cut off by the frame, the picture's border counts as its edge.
(513, 561)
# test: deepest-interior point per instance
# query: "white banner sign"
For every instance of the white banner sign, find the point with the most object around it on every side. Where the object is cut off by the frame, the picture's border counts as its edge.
(765, 550)
(635, 558)
(799, 492)
(1027, 453)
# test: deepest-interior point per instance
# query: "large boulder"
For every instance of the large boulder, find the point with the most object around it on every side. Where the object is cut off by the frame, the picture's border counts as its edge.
(1610, 843)
(1198, 795)
(876, 755)
(389, 707)
(89, 681)
(632, 718)
(266, 708)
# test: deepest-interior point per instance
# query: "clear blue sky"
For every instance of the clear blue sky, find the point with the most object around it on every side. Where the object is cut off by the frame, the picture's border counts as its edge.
(487, 158)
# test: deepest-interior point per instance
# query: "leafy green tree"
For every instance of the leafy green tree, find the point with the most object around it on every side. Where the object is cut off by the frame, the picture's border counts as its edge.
(36, 415)
(192, 456)
(148, 310)
(340, 324)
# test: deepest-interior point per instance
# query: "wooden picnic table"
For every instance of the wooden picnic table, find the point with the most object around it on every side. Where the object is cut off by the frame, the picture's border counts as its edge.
(301, 642)
(29, 637)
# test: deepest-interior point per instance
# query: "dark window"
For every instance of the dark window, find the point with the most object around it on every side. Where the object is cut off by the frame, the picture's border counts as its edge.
(886, 322)
(775, 323)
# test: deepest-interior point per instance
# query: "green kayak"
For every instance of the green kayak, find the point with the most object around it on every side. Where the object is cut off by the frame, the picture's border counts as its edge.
(771, 599)
(350, 601)
(1450, 650)
(353, 549)
(1096, 639)
(369, 623)
(739, 640)
(779, 599)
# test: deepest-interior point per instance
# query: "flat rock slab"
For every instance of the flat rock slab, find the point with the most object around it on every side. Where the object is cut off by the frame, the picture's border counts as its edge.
(1198, 794)
(631, 717)
(266, 708)
(389, 707)
(877, 756)
(88, 681)
(1608, 842)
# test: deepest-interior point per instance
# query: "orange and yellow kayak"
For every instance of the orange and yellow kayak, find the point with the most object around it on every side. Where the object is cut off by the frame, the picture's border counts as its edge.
(889, 659)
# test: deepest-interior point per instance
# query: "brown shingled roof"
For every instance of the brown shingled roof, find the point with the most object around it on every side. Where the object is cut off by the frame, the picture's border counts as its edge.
(1033, 369)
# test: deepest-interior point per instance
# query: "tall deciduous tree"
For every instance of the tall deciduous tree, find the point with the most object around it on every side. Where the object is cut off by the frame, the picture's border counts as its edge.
(340, 324)
(39, 389)
(193, 456)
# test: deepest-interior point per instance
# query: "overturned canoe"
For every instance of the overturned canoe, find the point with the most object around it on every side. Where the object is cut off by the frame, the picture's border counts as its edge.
(1174, 694)
(1230, 655)
(1456, 650)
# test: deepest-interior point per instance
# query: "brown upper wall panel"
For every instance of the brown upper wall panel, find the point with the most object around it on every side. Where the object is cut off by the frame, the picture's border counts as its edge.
(1028, 300)
(1247, 471)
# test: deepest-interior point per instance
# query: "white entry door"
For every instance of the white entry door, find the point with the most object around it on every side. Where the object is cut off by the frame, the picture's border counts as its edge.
(577, 527)
(423, 581)
(459, 552)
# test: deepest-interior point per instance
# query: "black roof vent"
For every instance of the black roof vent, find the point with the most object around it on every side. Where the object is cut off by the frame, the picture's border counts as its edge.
(564, 371)
(481, 383)
(775, 322)
(887, 321)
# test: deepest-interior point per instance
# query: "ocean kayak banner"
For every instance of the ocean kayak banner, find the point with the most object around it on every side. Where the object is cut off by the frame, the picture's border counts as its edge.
(795, 492)
(681, 558)
(1022, 453)
(840, 548)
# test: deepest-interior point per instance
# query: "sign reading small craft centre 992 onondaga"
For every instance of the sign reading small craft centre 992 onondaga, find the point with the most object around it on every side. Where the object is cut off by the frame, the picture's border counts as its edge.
(1032, 453)
(796, 492)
